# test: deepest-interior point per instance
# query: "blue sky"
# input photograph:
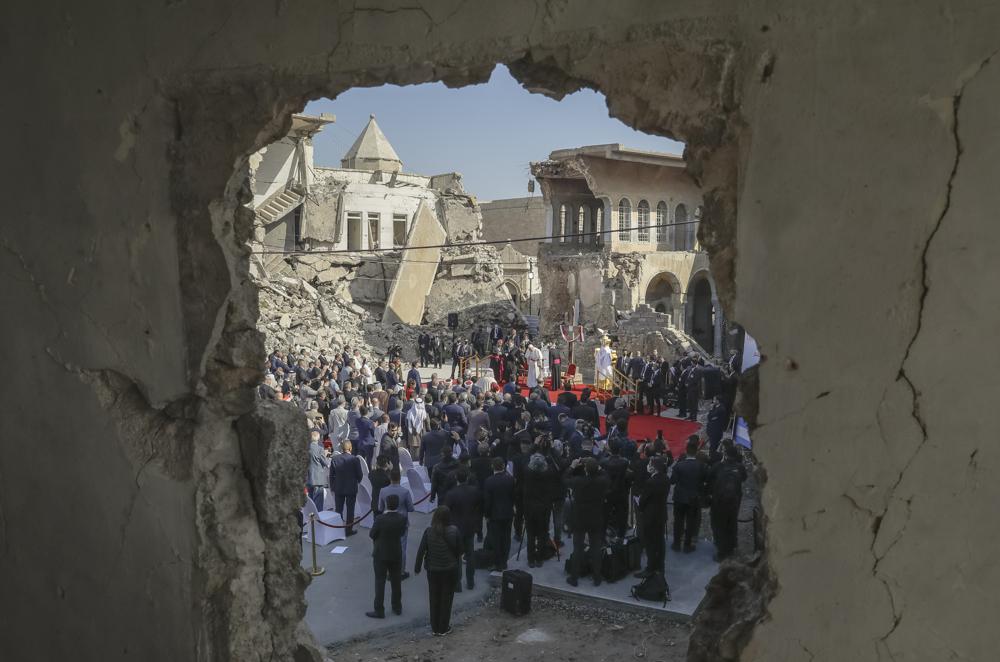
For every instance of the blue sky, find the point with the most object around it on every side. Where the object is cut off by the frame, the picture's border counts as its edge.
(488, 132)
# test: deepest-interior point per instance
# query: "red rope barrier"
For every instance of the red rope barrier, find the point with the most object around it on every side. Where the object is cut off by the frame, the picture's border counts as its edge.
(360, 519)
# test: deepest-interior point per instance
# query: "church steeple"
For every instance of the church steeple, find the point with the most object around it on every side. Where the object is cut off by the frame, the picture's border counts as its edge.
(372, 151)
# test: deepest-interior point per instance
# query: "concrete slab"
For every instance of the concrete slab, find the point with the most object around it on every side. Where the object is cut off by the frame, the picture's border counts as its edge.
(338, 599)
(687, 576)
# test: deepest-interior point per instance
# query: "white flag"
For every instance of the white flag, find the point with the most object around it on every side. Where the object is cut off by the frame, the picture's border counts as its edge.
(741, 434)
(751, 353)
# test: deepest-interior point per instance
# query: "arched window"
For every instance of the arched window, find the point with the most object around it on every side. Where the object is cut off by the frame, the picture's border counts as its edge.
(563, 225)
(599, 225)
(624, 220)
(580, 224)
(643, 210)
(661, 223)
(681, 216)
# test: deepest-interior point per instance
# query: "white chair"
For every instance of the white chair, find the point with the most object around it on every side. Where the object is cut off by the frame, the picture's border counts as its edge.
(406, 463)
(364, 467)
(329, 501)
(363, 506)
(405, 460)
(418, 490)
(324, 534)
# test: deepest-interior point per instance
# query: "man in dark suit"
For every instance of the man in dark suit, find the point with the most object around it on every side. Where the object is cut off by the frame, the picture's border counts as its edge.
(688, 480)
(433, 445)
(498, 507)
(652, 509)
(589, 486)
(413, 374)
(645, 387)
(387, 555)
(455, 413)
(345, 475)
(466, 504)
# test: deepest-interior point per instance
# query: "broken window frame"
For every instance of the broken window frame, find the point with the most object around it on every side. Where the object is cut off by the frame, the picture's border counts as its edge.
(374, 229)
(642, 212)
(624, 220)
(399, 238)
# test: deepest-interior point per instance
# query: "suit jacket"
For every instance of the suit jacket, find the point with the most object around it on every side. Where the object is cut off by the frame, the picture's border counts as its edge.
(688, 478)
(456, 415)
(345, 474)
(477, 420)
(498, 497)
(466, 504)
(319, 465)
(588, 497)
(405, 498)
(653, 499)
(387, 533)
(432, 445)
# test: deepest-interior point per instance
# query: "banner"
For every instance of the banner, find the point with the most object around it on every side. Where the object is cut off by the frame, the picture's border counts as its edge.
(751, 353)
(741, 434)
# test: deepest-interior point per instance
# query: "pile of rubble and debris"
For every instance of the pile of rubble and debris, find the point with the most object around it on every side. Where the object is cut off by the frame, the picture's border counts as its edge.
(323, 301)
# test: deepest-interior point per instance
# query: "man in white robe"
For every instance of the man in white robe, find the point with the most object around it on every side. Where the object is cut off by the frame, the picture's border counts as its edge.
(534, 358)
(602, 361)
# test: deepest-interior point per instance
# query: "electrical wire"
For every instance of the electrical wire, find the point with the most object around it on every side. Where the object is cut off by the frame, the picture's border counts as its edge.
(341, 251)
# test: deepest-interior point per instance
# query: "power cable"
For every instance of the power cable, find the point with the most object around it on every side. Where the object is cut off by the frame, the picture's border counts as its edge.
(341, 251)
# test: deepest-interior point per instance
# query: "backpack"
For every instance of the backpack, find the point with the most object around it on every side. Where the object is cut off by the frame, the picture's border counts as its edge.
(653, 588)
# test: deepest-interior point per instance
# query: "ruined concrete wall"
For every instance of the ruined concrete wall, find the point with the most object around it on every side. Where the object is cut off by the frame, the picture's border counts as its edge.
(416, 273)
(859, 140)
(515, 218)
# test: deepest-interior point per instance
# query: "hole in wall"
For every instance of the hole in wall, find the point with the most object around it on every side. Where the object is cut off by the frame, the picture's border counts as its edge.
(287, 229)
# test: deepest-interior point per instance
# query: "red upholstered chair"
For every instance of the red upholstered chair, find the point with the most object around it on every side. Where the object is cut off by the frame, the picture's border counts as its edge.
(570, 377)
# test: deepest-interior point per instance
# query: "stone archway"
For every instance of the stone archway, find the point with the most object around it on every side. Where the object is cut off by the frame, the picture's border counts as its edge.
(701, 311)
(662, 294)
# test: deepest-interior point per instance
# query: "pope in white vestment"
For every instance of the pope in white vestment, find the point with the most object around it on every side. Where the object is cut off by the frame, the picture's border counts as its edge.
(534, 358)
(602, 361)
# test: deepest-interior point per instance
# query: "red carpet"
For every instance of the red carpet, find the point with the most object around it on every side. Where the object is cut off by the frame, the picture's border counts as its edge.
(675, 430)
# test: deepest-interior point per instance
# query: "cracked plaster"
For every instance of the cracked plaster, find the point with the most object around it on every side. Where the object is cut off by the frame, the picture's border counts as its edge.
(860, 142)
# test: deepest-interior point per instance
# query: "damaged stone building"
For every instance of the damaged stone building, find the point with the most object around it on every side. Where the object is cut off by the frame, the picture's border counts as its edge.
(846, 154)
(341, 253)
(624, 228)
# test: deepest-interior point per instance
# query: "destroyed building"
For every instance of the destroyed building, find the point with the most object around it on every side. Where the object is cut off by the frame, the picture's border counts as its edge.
(622, 228)
(846, 152)
(343, 253)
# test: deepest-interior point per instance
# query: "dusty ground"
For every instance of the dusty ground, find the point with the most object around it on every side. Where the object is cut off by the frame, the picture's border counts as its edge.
(555, 630)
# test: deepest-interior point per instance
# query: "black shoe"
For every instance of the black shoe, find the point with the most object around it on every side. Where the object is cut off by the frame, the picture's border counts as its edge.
(676, 547)
(597, 581)
(374, 614)
(397, 611)
(572, 581)
(643, 574)
(403, 576)
(446, 632)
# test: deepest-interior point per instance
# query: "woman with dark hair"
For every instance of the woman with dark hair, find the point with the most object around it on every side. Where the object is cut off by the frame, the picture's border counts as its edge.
(441, 547)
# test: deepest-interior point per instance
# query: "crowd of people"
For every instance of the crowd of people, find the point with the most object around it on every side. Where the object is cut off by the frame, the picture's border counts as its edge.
(507, 462)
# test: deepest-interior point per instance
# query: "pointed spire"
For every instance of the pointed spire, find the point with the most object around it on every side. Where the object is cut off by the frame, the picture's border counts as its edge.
(372, 151)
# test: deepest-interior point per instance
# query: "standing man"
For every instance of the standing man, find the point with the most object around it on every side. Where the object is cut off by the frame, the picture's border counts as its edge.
(726, 479)
(692, 387)
(589, 487)
(555, 366)
(319, 469)
(688, 480)
(405, 507)
(466, 504)
(652, 509)
(498, 507)
(345, 475)
(387, 555)
(646, 386)
(534, 358)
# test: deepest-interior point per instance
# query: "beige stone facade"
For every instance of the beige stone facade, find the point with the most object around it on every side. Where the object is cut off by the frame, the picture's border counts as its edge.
(623, 224)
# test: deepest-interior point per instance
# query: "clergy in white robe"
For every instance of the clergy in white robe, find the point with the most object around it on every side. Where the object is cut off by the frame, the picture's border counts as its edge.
(534, 358)
(603, 361)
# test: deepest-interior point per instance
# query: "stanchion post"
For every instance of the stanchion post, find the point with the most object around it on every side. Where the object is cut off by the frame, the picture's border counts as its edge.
(315, 571)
